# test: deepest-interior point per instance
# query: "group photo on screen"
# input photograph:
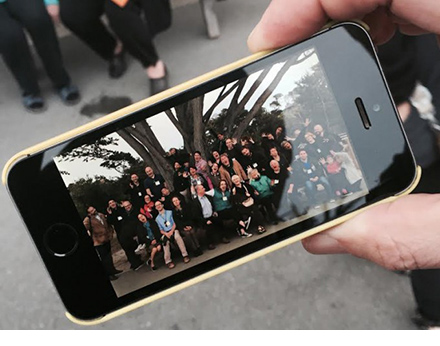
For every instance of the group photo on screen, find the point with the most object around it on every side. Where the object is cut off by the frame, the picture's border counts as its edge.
(212, 174)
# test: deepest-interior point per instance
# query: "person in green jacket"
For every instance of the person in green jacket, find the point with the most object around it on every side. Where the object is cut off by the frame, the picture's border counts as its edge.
(32, 16)
(263, 185)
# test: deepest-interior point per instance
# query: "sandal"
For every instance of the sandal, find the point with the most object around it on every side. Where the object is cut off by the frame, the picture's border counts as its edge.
(186, 259)
(171, 265)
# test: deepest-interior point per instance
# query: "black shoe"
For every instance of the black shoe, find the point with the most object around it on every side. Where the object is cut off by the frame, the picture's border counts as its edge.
(117, 65)
(225, 240)
(158, 85)
(34, 103)
(117, 272)
(424, 323)
(211, 247)
(198, 252)
(113, 277)
(69, 94)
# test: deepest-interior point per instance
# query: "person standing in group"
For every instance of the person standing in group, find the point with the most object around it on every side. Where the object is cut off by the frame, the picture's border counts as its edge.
(128, 232)
(101, 232)
(32, 16)
(154, 183)
(136, 34)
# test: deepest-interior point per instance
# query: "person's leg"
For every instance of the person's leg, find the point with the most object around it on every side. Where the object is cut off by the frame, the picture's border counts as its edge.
(310, 191)
(16, 53)
(167, 253)
(134, 33)
(180, 243)
(35, 18)
(105, 254)
(129, 246)
(83, 18)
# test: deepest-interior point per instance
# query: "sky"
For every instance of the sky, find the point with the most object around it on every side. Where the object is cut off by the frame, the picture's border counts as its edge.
(168, 135)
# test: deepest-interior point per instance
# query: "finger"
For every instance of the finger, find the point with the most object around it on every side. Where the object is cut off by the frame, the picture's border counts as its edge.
(382, 25)
(412, 30)
(323, 243)
(289, 21)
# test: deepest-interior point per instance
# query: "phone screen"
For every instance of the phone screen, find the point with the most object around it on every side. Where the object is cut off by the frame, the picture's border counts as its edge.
(212, 174)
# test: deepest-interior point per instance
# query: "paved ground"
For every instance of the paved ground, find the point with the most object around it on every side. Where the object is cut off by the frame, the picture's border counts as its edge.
(288, 289)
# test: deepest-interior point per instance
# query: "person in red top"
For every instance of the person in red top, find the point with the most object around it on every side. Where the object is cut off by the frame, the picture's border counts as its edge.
(336, 176)
(148, 209)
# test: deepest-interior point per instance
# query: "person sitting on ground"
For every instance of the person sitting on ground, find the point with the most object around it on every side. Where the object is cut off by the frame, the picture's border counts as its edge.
(263, 185)
(101, 233)
(313, 175)
(148, 208)
(184, 217)
(228, 169)
(207, 218)
(336, 176)
(148, 238)
(244, 197)
(170, 233)
(221, 197)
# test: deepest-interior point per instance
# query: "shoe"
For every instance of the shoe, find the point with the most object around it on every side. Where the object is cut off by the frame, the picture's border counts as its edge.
(113, 277)
(139, 249)
(186, 259)
(149, 262)
(423, 322)
(158, 85)
(117, 65)
(69, 94)
(136, 268)
(117, 272)
(211, 247)
(171, 265)
(198, 252)
(153, 268)
(225, 241)
(246, 235)
(34, 103)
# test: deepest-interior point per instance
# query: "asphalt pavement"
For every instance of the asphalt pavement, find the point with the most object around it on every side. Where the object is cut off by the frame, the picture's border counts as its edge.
(288, 289)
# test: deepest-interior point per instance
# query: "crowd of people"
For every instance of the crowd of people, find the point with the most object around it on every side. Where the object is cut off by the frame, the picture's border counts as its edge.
(240, 188)
(133, 24)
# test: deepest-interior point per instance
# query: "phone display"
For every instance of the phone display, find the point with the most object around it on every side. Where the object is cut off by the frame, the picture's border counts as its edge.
(236, 164)
(213, 173)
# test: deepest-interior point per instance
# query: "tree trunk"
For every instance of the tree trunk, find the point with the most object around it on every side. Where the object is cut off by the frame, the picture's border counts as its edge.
(199, 127)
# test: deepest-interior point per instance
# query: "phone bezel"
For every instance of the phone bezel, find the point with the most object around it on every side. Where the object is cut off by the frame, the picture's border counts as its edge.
(80, 277)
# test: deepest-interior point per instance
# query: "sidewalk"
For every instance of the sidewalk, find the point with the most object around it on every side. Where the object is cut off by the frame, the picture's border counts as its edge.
(288, 289)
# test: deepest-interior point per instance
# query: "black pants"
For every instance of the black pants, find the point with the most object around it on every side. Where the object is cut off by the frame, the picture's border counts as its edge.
(83, 18)
(105, 254)
(129, 245)
(132, 30)
(214, 231)
(16, 15)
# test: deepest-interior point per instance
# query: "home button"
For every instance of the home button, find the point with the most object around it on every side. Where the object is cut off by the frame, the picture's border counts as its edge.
(61, 240)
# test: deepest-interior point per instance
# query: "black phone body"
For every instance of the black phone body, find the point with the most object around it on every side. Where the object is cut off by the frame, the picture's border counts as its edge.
(349, 83)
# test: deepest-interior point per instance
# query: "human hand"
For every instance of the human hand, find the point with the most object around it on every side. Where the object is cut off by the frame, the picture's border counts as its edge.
(400, 235)
(209, 222)
(290, 21)
(54, 13)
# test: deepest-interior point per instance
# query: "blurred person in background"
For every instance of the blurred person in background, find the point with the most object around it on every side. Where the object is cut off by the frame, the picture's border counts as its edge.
(407, 61)
(16, 16)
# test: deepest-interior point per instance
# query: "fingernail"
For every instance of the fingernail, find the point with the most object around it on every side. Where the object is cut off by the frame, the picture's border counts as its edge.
(255, 40)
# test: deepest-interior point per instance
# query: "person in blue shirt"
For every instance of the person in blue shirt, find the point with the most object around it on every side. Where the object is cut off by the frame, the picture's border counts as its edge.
(32, 16)
(170, 233)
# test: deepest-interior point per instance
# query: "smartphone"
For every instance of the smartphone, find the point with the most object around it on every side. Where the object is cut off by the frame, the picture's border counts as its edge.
(213, 173)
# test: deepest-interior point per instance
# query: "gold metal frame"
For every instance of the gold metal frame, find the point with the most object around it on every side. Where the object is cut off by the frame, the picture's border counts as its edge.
(150, 101)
